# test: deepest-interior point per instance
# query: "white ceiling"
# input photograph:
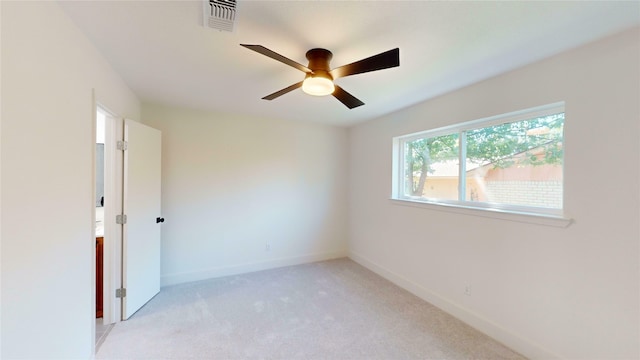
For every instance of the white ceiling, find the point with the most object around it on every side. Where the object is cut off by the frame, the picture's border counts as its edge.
(165, 55)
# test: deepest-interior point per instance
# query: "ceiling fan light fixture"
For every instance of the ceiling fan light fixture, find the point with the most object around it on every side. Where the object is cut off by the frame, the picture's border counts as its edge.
(318, 85)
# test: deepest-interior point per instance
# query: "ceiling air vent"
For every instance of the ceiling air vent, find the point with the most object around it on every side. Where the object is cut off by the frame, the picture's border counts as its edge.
(219, 14)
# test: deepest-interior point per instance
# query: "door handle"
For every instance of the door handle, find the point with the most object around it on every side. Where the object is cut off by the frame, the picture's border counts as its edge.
(159, 220)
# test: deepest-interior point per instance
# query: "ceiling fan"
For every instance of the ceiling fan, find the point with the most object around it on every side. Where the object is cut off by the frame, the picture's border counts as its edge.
(319, 76)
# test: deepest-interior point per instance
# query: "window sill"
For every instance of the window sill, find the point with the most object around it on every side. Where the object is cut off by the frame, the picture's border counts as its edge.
(523, 217)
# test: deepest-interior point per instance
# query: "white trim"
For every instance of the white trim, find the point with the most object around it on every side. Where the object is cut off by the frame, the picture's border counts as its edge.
(493, 213)
(477, 321)
(179, 278)
(112, 250)
(94, 120)
(397, 172)
(514, 116)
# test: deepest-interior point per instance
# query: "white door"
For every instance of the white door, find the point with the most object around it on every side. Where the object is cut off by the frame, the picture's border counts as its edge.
(141, 240)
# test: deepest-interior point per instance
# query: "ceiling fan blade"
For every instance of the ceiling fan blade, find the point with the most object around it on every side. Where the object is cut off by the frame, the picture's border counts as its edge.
(347, 99)
(385, 60)
(274, 55)
(283, 91)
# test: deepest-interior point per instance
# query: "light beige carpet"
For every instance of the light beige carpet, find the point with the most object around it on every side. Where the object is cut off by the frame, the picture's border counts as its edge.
(327, 310)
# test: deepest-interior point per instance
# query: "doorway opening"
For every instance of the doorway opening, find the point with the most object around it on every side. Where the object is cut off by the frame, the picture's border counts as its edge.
(101, 328)
(108, 235)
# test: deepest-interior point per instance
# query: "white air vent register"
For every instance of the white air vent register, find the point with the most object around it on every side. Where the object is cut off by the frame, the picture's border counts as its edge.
(220, 14)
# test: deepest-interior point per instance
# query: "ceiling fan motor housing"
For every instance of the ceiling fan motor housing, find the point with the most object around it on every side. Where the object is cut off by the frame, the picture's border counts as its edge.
(319, 61)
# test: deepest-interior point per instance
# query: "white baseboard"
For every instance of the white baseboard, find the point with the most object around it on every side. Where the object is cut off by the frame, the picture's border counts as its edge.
(179, 278)
(515, 342)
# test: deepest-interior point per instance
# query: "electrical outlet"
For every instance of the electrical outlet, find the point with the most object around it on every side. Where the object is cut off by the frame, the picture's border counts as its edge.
(267, 247)
(467, 290)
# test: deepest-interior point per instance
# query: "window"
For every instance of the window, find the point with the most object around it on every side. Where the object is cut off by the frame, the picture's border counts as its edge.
(511, 162)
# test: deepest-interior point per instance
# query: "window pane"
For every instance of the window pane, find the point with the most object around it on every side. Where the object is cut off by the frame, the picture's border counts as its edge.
(517, 163)
(432, 167)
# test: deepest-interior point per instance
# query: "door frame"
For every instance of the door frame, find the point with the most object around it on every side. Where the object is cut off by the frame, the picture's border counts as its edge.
(112, 307)
(112, 248)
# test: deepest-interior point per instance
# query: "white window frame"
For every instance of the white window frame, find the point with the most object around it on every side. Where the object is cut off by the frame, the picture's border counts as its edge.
(521, 213)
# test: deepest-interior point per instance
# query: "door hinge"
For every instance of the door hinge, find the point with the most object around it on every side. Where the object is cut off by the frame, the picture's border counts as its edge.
(120, 293)
(122, 145)
(121, 219)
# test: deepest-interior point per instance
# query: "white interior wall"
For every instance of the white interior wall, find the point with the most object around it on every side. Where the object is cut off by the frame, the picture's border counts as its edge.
(233, 184)
(0, 185)
(49, 69)
(546, 291)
